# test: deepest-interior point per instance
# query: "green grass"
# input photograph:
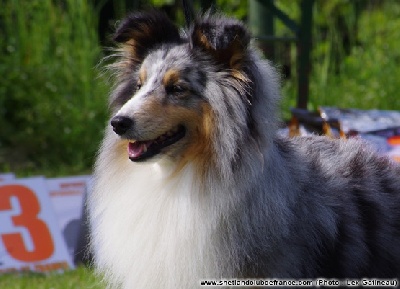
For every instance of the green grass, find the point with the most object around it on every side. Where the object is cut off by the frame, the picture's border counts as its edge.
(81, 278)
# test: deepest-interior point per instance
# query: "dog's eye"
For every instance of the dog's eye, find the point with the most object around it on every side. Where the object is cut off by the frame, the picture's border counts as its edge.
(138, 85)
(175, 89)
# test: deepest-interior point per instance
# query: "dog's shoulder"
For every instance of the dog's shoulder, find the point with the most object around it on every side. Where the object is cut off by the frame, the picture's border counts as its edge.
(351, 160)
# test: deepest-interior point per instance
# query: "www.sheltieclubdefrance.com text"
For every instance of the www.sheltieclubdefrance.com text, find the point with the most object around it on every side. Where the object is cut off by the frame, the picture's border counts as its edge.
(365, 282)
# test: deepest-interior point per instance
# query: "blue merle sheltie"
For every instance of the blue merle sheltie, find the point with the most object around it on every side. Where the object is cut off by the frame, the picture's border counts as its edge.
(193, 183)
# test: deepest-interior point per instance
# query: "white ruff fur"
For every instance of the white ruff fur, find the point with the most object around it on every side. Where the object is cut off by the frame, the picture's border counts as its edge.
(152, 231)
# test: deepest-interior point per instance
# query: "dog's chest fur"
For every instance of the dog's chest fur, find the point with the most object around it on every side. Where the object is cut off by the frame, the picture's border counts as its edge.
(155, 226)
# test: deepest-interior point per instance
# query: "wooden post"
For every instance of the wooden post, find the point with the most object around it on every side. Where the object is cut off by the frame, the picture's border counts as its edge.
(304, 52)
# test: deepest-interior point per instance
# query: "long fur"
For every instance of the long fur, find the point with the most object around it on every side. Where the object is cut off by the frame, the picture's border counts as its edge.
(231, 199)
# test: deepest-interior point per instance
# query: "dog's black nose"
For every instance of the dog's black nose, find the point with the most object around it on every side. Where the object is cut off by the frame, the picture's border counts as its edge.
(121, 124)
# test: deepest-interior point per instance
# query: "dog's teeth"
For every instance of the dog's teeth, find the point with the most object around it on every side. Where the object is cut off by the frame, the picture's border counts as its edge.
(144, 148)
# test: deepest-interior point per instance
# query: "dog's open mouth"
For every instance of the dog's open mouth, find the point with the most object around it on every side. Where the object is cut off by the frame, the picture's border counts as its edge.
(142, 150)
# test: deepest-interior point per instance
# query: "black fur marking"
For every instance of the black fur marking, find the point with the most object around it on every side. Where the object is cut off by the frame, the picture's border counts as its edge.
(146, 30)
(284, 147)
(334, 254)
(225, 39)
(220, 36)
(357, 167)
(121, 96)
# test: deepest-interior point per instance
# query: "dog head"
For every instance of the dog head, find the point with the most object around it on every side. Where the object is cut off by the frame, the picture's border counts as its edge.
(175, 91)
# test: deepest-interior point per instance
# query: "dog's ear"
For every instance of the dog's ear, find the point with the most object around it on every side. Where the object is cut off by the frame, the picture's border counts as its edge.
(142, 31)
(226, 40)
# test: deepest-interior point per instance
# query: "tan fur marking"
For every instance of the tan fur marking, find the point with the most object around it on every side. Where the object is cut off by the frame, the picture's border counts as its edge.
(203, 40)
(130, 48)
(142, 75)
(172, 76)
(135, 38)
(237, 54)
(153, 108)
(240, 75)
(120, 150)
(199, 150)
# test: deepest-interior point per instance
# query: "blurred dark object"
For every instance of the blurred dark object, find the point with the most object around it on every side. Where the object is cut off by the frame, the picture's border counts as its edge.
(379, 128)
(83, 254)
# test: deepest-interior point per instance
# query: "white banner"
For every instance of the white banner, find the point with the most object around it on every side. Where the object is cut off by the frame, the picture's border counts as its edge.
(6, 177)
(30, 238)
(67, 196)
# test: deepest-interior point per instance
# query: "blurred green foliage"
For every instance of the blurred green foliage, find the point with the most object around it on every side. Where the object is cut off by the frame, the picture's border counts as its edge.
(367, 76)
(355, 57)
(53, 103)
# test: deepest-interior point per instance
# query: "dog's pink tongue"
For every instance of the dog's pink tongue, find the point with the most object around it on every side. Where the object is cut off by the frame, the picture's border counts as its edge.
(136, 149)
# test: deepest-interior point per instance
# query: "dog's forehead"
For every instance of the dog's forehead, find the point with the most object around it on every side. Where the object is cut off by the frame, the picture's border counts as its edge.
(163, 59)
